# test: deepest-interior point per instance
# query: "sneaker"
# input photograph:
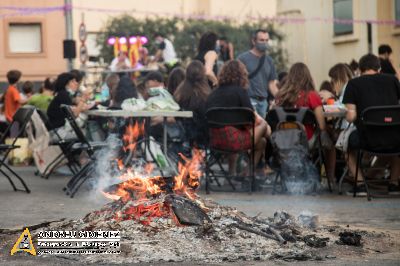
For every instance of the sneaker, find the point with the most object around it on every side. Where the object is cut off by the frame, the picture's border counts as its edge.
(360, 191)
(394, 189)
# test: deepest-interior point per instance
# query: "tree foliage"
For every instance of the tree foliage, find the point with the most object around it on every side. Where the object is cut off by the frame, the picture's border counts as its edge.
(185, 34)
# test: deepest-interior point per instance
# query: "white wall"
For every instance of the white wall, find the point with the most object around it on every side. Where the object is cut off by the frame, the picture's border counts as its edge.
(313, 42)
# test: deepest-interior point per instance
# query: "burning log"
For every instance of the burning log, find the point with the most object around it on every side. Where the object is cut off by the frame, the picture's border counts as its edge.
(186, 211)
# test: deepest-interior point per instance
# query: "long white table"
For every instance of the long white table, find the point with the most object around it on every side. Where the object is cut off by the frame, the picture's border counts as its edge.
(125, 113)
(144, 114)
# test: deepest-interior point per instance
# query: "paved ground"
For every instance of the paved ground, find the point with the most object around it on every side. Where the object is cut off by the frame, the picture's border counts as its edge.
(47, 202)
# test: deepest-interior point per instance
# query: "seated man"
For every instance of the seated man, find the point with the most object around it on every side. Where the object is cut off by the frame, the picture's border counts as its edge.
(121, 62)
(370, 89)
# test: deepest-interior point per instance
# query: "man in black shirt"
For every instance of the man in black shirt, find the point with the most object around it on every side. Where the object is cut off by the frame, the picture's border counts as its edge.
(370, 89)
(385, 51)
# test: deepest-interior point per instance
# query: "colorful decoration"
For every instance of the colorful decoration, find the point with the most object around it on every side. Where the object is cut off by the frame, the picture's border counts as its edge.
(130, 46)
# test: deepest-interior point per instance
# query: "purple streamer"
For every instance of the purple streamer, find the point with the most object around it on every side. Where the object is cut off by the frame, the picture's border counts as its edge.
(25, 11)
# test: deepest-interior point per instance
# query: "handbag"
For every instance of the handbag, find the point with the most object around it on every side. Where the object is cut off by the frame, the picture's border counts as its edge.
(260, 64)
(343, 140)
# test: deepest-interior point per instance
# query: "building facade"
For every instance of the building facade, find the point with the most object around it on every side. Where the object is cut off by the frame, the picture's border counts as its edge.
(31, 42)
(321, 43)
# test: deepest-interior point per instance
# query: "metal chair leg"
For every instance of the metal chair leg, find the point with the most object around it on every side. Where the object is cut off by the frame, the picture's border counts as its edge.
(226, 174)
(74, 179)
(9, 179)
(207, 175)
(358, 164)
(18, 177)
(253, 172)
(345, 172)
(275, 182)
(49, 168)
(82, 181)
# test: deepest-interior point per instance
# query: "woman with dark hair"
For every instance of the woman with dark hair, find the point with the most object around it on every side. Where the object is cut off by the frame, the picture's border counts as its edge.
(232, 92)
(65, 87)
(208, 56)
(326, 86)
(175, 78)
(125, 90)
(226, 49)
(191, 95)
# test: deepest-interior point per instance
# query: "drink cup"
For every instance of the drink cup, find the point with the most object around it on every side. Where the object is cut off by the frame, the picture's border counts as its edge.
(330, 101)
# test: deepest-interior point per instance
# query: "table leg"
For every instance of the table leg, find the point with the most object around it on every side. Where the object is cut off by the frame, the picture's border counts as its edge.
(165, 136)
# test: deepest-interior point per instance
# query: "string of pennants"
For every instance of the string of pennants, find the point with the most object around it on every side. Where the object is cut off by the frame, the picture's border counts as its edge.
(27, 11)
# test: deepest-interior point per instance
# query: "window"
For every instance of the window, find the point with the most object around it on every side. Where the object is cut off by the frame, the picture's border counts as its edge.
(343, 9)
(25, 38)
(397, 10)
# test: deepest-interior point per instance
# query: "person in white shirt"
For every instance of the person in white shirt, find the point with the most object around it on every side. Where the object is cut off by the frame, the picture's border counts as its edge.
(120, 62)
(166, 51)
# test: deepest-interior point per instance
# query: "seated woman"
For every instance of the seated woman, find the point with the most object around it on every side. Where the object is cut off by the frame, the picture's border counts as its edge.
(340, 75)
(191, 95)
(121, 88)
(175, 78)
(65, 87)
(299, 91)
(233, 83)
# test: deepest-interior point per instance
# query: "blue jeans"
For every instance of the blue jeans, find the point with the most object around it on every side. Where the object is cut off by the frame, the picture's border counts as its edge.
(260, 106)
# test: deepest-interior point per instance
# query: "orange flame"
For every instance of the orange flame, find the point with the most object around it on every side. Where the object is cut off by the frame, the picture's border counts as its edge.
(189, 175)
(132, 133)
(140, 188)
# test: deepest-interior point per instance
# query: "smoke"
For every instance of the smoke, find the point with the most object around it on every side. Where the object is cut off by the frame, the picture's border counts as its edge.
(105, 167)
(107, 171)
(298, 173)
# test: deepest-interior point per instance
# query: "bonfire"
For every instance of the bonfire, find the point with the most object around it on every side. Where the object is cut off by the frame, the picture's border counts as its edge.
(161, 218)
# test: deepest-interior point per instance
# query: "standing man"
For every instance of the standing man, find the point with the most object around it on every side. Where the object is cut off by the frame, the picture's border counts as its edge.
(387, 67)
(261, 69)
(166, 51)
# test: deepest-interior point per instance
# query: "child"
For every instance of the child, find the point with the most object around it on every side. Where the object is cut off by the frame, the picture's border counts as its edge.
(12, 97)
(27, 90)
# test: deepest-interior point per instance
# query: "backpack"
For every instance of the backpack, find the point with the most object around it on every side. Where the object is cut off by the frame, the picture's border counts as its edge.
(291, 153)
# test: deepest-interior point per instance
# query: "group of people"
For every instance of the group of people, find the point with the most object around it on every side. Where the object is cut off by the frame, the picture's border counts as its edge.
(249, 81)
(166, 54)
(12, 99)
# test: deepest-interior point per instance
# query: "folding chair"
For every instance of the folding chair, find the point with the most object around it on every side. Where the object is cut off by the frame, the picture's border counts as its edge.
(221, 117)
(90, 147)
(379, 136)
(68, 153)
(305, 117)
(20, 118)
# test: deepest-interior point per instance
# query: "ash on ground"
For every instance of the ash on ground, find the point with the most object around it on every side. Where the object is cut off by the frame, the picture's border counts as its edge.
(228, 235)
